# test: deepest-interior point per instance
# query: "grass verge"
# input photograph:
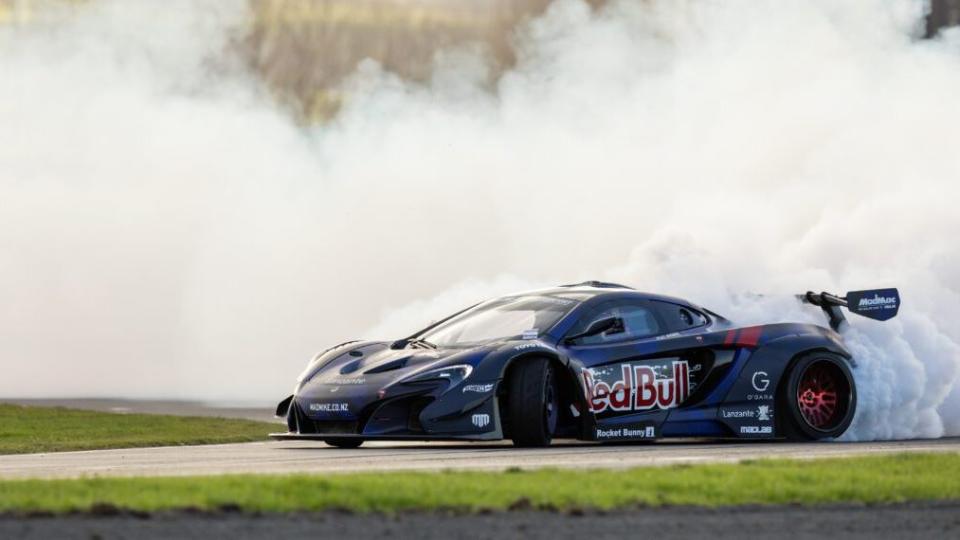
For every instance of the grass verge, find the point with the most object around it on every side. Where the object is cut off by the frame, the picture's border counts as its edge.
(53, 429)
(887, 479)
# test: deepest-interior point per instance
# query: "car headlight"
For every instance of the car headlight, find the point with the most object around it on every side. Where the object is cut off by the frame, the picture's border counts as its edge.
(454, 375)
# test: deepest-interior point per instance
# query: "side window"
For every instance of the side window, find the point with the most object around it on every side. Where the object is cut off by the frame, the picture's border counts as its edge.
(638, 322)
(679, 317)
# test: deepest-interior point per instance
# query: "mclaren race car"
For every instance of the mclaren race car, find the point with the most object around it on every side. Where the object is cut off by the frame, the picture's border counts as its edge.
(592, 361)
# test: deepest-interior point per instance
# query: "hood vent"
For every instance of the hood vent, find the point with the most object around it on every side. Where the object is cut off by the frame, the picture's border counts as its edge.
(350, 367)
(389, 366)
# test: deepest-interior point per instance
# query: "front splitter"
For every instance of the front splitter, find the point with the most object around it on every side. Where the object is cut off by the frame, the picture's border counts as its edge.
(290, 436)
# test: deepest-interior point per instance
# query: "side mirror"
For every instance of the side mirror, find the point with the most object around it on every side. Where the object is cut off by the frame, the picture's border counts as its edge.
(612, 325)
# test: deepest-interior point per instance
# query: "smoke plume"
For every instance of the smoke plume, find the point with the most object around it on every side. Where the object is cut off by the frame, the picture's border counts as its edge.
(167, 231)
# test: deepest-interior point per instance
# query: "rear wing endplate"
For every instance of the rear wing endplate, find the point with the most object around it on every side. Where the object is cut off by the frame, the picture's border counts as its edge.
(877, 304)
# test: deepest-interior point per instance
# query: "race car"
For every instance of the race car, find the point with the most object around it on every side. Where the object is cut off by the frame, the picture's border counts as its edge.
(592, 361)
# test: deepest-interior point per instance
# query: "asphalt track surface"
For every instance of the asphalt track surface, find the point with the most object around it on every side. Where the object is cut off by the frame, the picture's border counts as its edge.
(317, 457)
(851, 522)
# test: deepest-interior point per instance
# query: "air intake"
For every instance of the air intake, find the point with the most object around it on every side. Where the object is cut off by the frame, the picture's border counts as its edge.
(389, 366)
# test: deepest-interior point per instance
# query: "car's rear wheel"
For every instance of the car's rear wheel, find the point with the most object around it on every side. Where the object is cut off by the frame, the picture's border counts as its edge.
(533, 402)
(819, 397)
(344, 442)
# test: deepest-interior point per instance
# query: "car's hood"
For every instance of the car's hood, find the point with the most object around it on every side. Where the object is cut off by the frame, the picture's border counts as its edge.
(355, 378)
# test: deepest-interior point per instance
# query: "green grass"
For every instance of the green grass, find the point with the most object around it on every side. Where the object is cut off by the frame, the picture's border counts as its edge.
(885, 479)
(53, 429)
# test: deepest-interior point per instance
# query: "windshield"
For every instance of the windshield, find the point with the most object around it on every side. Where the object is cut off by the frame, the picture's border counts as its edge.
(515, 317)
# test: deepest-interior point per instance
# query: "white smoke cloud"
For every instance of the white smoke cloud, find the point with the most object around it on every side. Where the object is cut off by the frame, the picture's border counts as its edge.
(166, 232)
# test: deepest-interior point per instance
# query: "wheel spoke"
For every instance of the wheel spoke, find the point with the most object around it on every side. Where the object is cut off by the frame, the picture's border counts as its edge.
(818, 396)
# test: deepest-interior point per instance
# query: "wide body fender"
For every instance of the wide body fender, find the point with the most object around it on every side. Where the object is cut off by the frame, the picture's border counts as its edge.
(748, 408)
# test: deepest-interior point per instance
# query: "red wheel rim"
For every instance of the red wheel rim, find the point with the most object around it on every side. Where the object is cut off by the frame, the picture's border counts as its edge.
(819, 395)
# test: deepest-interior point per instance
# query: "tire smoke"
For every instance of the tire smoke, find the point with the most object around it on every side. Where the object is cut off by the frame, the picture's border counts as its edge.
(167, 231)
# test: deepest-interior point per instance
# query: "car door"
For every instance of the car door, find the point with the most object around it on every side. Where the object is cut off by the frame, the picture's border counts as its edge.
(623, 375)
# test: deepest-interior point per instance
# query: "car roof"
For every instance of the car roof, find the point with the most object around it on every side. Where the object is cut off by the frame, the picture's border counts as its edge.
(594, 289)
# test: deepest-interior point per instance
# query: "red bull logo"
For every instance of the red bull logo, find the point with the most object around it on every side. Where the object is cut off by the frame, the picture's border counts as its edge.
(639, 387)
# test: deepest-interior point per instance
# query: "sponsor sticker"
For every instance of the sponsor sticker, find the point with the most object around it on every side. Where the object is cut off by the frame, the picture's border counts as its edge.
(876, 301)
(480, 420)
(648, 432)
(763, 413)
(743, 413)
(756, 430)
(530, 334)
(346, 381)
(880, 304)
(479, 388)
(330, 407)
(760, 381)
(639, 387)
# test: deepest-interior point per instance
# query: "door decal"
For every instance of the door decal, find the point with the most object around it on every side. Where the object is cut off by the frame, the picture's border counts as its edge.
(637, 387)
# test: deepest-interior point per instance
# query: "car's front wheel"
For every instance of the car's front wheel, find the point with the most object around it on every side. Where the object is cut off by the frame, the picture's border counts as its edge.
(818, 399)
(344, 442)
(533, 402)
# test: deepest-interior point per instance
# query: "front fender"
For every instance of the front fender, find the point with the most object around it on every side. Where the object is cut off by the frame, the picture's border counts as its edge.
(494, 366)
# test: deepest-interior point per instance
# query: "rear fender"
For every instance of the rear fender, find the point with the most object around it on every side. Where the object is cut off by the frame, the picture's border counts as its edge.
(770, 362)
(749, 406)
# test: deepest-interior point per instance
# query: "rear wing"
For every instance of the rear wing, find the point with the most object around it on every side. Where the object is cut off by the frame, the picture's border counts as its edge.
(877, 304)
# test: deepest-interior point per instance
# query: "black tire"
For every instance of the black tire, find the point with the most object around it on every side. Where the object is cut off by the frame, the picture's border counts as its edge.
(344, 442)
(532, 402)
(807, 412)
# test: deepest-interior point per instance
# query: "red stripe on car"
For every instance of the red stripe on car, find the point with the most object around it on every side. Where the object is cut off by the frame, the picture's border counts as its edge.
(749, 337)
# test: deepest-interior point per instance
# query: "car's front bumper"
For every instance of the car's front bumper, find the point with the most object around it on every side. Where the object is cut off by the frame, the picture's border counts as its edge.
(455, 417)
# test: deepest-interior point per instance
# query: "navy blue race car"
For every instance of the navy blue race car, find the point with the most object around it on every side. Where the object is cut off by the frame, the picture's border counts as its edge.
(592, 361)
